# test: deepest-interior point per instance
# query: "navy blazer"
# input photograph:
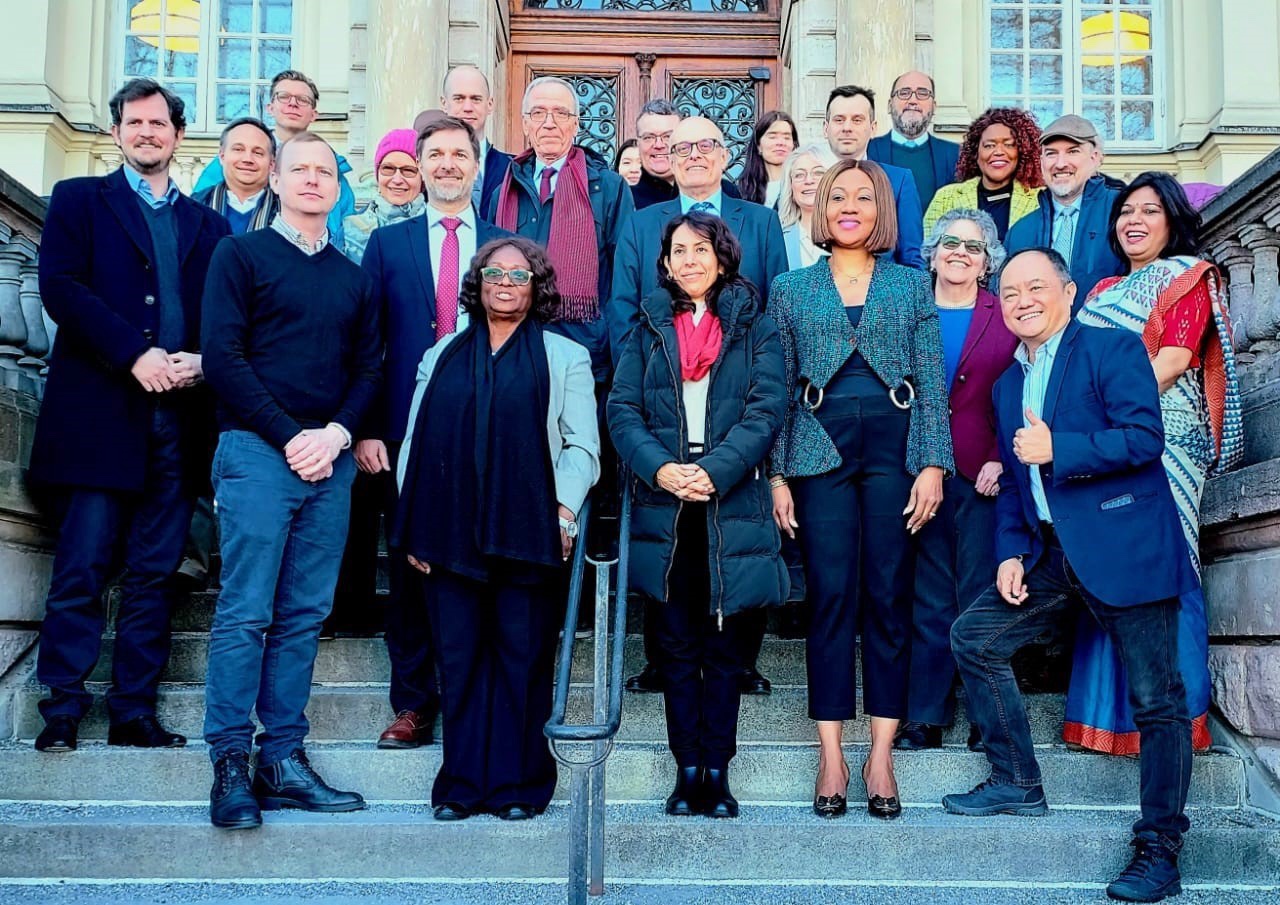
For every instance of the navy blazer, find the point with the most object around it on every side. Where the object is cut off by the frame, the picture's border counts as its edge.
(495, 170)
(1106, 486)
(910, 216)
(635, 265)
(944, 154)
(1091, 256)
(98, 282)
(398, 257)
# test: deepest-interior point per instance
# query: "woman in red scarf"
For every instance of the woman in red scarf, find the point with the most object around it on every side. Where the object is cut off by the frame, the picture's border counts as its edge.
(696, 403)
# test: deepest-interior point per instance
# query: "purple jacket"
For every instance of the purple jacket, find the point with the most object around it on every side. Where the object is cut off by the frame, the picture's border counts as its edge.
(987, 353)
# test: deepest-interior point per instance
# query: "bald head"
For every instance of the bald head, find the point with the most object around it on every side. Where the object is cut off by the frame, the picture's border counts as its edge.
(697, 146)
(912, 114)
(466, 96)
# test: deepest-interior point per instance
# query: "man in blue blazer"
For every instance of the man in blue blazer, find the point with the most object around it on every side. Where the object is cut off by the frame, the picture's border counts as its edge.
(909, 144)
(466, 96)
(1085, 518)
(850, 123)
(417, 279)
(125, 434)
(697, 147)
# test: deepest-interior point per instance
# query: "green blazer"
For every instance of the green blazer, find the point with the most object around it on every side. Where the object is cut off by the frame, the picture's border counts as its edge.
(965, 194)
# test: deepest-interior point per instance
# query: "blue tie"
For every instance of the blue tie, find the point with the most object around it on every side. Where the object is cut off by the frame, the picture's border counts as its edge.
(703, 207)
(1065, 237)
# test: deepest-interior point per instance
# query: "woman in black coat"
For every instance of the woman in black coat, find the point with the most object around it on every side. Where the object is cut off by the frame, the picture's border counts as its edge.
(697, 401)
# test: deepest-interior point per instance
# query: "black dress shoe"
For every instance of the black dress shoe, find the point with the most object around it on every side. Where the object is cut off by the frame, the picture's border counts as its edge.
(751, 682)
(232, 805)
(58, 735)
(976, 745)
(450, 812)
(913, 736)
(144, 732)
(647, 681)
(294, 783)
(515, 812)
(717, 800)
(685, 799)
(830, 806)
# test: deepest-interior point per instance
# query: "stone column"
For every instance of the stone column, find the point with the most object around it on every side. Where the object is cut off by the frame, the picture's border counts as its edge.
(875, 43)
(13, 326)
(37, 346)
(408, 48)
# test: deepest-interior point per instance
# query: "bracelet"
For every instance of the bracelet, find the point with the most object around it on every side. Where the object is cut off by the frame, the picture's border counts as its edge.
(778, 482)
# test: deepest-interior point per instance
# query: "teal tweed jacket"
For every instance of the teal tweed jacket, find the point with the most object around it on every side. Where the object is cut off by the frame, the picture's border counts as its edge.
(898, 336)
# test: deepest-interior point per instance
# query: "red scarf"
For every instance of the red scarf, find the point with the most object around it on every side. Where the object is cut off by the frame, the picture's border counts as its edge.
(572, 245)
(699, 345)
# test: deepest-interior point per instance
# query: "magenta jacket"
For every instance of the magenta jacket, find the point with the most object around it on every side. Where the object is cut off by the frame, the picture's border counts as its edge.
(987, 353)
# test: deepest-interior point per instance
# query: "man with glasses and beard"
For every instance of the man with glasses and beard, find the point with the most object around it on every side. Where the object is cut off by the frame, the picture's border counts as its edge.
(910, 144)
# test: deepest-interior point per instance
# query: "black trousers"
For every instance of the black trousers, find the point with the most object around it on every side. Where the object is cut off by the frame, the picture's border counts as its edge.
(699, 661)
(495, 643)
(955, 563)
(857, 561)
(98, 529)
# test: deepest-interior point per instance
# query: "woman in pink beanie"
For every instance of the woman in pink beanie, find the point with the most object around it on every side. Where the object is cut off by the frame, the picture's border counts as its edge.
(399, 191)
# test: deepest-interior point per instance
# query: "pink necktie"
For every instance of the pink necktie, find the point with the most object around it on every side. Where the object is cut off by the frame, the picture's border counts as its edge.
(447, 282)
(544, 189)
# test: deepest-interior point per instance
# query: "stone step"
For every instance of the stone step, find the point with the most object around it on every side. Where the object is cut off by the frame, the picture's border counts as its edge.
(445, 891)
(769, 844)
(361, 711)
(365, 660)
(637, 771)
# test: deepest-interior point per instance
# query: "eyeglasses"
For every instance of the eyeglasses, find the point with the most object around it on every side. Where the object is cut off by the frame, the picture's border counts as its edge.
(704, 146)
(921, 94)
(518, 275)
(806, 175)
(973, 246)
(559, 115)
(652, 138)
(302, 100)
(407, 173)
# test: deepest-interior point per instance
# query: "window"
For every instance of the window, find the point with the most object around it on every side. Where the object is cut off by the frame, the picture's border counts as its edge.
(1098, 58)
(217, 55)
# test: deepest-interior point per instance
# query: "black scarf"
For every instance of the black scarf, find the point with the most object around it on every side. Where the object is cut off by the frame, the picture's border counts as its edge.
(479, 486)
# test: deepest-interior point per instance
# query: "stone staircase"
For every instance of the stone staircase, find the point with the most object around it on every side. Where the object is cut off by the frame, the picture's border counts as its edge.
(119, 825)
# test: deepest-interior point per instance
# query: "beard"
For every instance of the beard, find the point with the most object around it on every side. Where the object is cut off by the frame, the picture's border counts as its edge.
(911, 124)
(447, 192)
(146, 168)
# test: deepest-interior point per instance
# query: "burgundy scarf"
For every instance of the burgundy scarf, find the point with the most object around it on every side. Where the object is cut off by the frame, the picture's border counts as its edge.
(699, 345)
(572, 246)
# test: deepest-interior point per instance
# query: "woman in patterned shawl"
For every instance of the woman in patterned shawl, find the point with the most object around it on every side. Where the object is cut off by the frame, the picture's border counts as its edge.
(1173, 299)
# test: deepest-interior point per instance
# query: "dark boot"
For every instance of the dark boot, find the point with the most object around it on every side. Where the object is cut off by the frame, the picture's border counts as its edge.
(1151, 875)
(716, 797)
(293, 783)
(58, 735)
(231, 802)
(646, 681)
(684, 800)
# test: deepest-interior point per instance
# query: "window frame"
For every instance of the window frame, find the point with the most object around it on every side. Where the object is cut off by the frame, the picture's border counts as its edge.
(206, 79)
(1073, 71)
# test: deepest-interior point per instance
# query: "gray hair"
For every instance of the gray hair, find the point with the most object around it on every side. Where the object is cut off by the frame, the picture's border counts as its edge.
(659, 106)
(788, 210)
(549, 80)
(995, 251)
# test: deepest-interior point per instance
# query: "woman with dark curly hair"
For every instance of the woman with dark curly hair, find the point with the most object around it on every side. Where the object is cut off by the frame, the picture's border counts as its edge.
(774, 137)
(502, 441)
(998, 171)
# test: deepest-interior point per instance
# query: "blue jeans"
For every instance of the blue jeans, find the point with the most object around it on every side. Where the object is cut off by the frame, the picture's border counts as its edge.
(282, 543)
(987, 635)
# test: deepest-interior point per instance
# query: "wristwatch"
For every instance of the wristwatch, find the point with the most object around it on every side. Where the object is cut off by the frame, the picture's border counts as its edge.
(570, 527)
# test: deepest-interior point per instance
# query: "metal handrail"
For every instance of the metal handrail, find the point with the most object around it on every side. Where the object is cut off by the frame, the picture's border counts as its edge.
(587, 777)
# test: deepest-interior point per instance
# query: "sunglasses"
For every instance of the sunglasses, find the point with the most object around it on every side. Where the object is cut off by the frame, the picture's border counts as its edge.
(518, 275)
(973, 246)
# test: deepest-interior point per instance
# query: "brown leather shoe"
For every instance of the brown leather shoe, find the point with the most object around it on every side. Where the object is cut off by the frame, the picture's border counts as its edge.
(407, 730)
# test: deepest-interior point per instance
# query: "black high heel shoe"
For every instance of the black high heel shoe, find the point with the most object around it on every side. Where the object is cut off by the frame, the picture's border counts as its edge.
(885, 808)
(685, 798)
(832, 806)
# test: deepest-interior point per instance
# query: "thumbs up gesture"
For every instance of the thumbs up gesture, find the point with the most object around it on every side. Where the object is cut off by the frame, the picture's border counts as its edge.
(1033, 445)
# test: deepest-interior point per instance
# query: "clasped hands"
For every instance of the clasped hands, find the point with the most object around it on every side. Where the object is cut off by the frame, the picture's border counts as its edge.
(311, 453)
(686, 481)
(159, 371)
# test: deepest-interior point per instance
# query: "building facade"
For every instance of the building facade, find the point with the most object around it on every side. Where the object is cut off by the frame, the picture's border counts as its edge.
(1192, 86)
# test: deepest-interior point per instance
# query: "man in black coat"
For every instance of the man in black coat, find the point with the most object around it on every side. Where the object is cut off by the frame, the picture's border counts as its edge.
(123, 438)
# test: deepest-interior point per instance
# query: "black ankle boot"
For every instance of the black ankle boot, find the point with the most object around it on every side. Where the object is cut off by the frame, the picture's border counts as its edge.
(293, 783)
(716, 797)
(684, 800)
(231, 802)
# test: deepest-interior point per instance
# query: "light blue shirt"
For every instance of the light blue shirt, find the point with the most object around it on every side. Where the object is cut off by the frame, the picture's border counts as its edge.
(899, 139)
(1035, 381)
(143, 188)
(539, 166)
(687, 203)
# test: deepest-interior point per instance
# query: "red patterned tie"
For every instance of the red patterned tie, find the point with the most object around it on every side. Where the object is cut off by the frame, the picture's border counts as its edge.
(544, 189)
(447, 282)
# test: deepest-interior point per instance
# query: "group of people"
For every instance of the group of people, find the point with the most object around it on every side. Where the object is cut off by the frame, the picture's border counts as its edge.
(921, 379)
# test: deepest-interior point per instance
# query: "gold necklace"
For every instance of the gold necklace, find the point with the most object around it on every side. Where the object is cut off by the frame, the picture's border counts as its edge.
(855, 278)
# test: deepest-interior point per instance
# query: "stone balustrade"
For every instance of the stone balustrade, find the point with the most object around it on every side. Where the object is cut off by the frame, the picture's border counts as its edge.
(1241, 514)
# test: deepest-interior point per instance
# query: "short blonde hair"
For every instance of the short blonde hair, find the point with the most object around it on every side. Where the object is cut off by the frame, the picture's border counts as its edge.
(884, 235)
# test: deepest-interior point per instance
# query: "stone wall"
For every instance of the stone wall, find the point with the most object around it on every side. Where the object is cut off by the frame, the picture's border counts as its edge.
(1240, 539)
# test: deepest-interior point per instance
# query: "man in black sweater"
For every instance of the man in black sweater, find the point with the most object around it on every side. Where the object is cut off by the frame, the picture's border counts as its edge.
(293, 351)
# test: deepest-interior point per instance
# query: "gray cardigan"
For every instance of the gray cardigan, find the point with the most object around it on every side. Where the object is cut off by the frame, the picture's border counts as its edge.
(573, 433)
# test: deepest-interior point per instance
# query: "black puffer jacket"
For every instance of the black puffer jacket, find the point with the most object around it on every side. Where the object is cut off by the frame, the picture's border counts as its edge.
(745, 404)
